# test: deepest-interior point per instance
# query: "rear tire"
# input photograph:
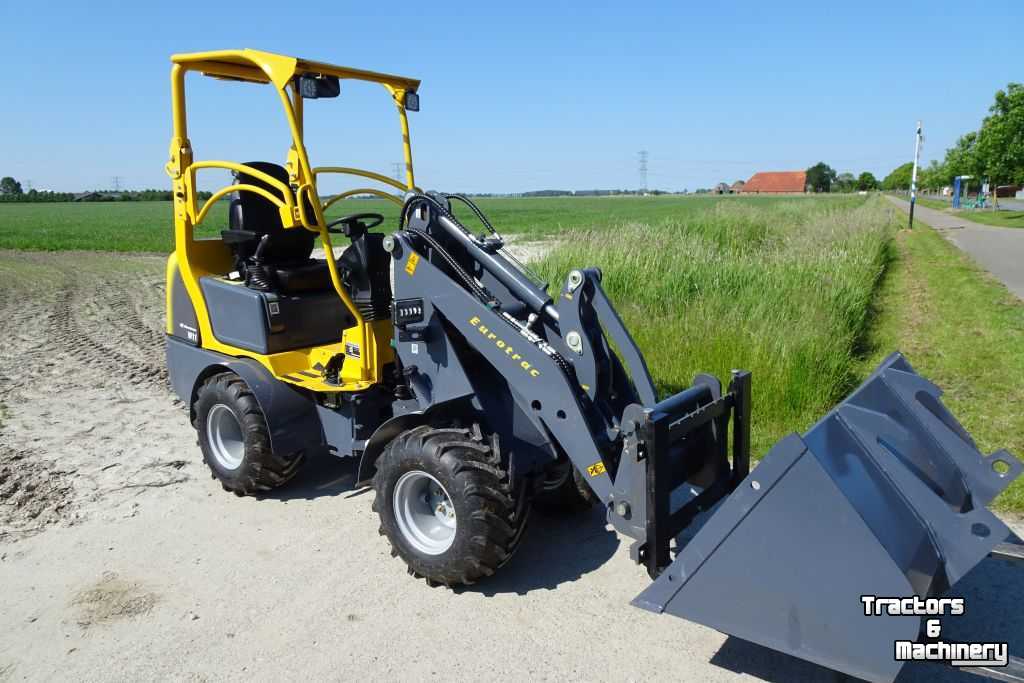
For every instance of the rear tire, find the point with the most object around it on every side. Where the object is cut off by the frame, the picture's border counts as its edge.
(564, 490)
(446, 504)
(235, 440)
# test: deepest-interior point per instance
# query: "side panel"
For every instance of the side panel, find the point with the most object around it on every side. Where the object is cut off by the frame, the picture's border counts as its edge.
(337, 426)
(291, 415)
(181, 314)
(267, 322)
(238, 315)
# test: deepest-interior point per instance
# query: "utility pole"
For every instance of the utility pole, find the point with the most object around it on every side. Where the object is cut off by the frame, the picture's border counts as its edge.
(643, 170)
(913, 175)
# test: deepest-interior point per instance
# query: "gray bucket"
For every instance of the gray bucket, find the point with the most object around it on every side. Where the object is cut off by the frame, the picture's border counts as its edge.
(885, 496)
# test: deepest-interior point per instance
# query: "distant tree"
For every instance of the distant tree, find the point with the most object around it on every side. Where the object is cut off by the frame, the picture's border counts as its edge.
(821, 177)
(845, 182)
(899, 179)
(10, 186)
(963, 158)
(867, 181)
(934, 177)
(999, 151)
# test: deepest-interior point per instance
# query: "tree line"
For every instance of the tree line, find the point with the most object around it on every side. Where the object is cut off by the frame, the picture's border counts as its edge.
(12, 191)
(823, 178)
(994, 153)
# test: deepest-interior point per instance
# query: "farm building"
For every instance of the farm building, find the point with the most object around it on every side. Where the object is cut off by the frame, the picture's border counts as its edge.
(97, 197)
(776, 182)
(737, 187)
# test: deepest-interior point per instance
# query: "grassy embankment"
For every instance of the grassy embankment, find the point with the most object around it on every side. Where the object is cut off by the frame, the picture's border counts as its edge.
(1002, 219)
(811, 296)
(784, 293)
(964, 331)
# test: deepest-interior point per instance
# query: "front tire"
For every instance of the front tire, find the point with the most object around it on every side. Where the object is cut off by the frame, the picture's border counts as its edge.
(235, 440)
(446, 504)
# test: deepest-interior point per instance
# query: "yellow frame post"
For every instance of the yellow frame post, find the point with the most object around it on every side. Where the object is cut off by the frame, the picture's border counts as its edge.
(195, 258)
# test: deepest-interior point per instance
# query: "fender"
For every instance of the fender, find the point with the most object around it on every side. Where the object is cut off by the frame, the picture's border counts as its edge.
(291, 415)
(387, 431)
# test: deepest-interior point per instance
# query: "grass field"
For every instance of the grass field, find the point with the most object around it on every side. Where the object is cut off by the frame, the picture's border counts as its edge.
(1002, 219)
(784, 293)
(146, 226)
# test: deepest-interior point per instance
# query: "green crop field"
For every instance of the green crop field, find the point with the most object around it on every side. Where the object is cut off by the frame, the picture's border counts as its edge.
(146, 226)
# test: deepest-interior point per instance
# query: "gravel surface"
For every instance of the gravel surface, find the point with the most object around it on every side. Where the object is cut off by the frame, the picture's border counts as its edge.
(121, 559)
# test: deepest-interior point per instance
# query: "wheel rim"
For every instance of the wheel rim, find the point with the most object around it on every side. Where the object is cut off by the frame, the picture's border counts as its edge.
(424, 513)
(224, 434)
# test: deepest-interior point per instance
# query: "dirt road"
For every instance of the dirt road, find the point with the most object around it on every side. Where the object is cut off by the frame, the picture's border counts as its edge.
(121, 559)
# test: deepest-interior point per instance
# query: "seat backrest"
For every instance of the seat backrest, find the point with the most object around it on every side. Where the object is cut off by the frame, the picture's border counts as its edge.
(253, 213)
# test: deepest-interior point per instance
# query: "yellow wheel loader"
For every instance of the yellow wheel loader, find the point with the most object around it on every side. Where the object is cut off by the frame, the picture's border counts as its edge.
(468, 392)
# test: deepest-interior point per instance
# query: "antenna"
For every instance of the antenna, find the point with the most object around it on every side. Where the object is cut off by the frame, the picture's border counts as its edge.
(643, 169)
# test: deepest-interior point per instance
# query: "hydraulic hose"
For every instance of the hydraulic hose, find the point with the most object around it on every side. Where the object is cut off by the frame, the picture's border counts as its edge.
(535, 298)
(487, 224)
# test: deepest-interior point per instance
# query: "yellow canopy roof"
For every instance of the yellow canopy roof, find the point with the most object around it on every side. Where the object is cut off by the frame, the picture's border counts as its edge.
(267, 67)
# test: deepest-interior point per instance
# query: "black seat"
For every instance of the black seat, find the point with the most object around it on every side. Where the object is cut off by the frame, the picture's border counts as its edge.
(269, 256)
(273, 258)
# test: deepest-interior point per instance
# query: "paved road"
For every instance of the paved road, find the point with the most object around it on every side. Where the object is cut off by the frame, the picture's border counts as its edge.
(1000, 251)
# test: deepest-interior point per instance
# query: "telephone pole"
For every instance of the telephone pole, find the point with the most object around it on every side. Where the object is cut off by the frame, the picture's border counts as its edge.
(913, 175)
(643, 170)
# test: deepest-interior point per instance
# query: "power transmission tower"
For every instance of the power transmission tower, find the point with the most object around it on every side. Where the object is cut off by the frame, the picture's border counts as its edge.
(117, 183)
(643, 170)
(396, 170)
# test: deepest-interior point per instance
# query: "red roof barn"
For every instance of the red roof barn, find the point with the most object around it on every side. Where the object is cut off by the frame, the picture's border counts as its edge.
(776, 182)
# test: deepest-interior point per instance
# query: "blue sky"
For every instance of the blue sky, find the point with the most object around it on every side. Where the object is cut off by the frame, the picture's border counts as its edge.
(515, 96)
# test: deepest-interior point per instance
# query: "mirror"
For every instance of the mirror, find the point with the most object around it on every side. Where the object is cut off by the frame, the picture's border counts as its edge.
(315, 86)
(412, 101)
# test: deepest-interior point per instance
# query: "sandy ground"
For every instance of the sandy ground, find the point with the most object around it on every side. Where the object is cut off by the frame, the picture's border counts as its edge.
(121, 559)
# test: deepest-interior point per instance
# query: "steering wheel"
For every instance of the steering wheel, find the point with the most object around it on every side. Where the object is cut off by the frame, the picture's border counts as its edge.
(355, 225)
